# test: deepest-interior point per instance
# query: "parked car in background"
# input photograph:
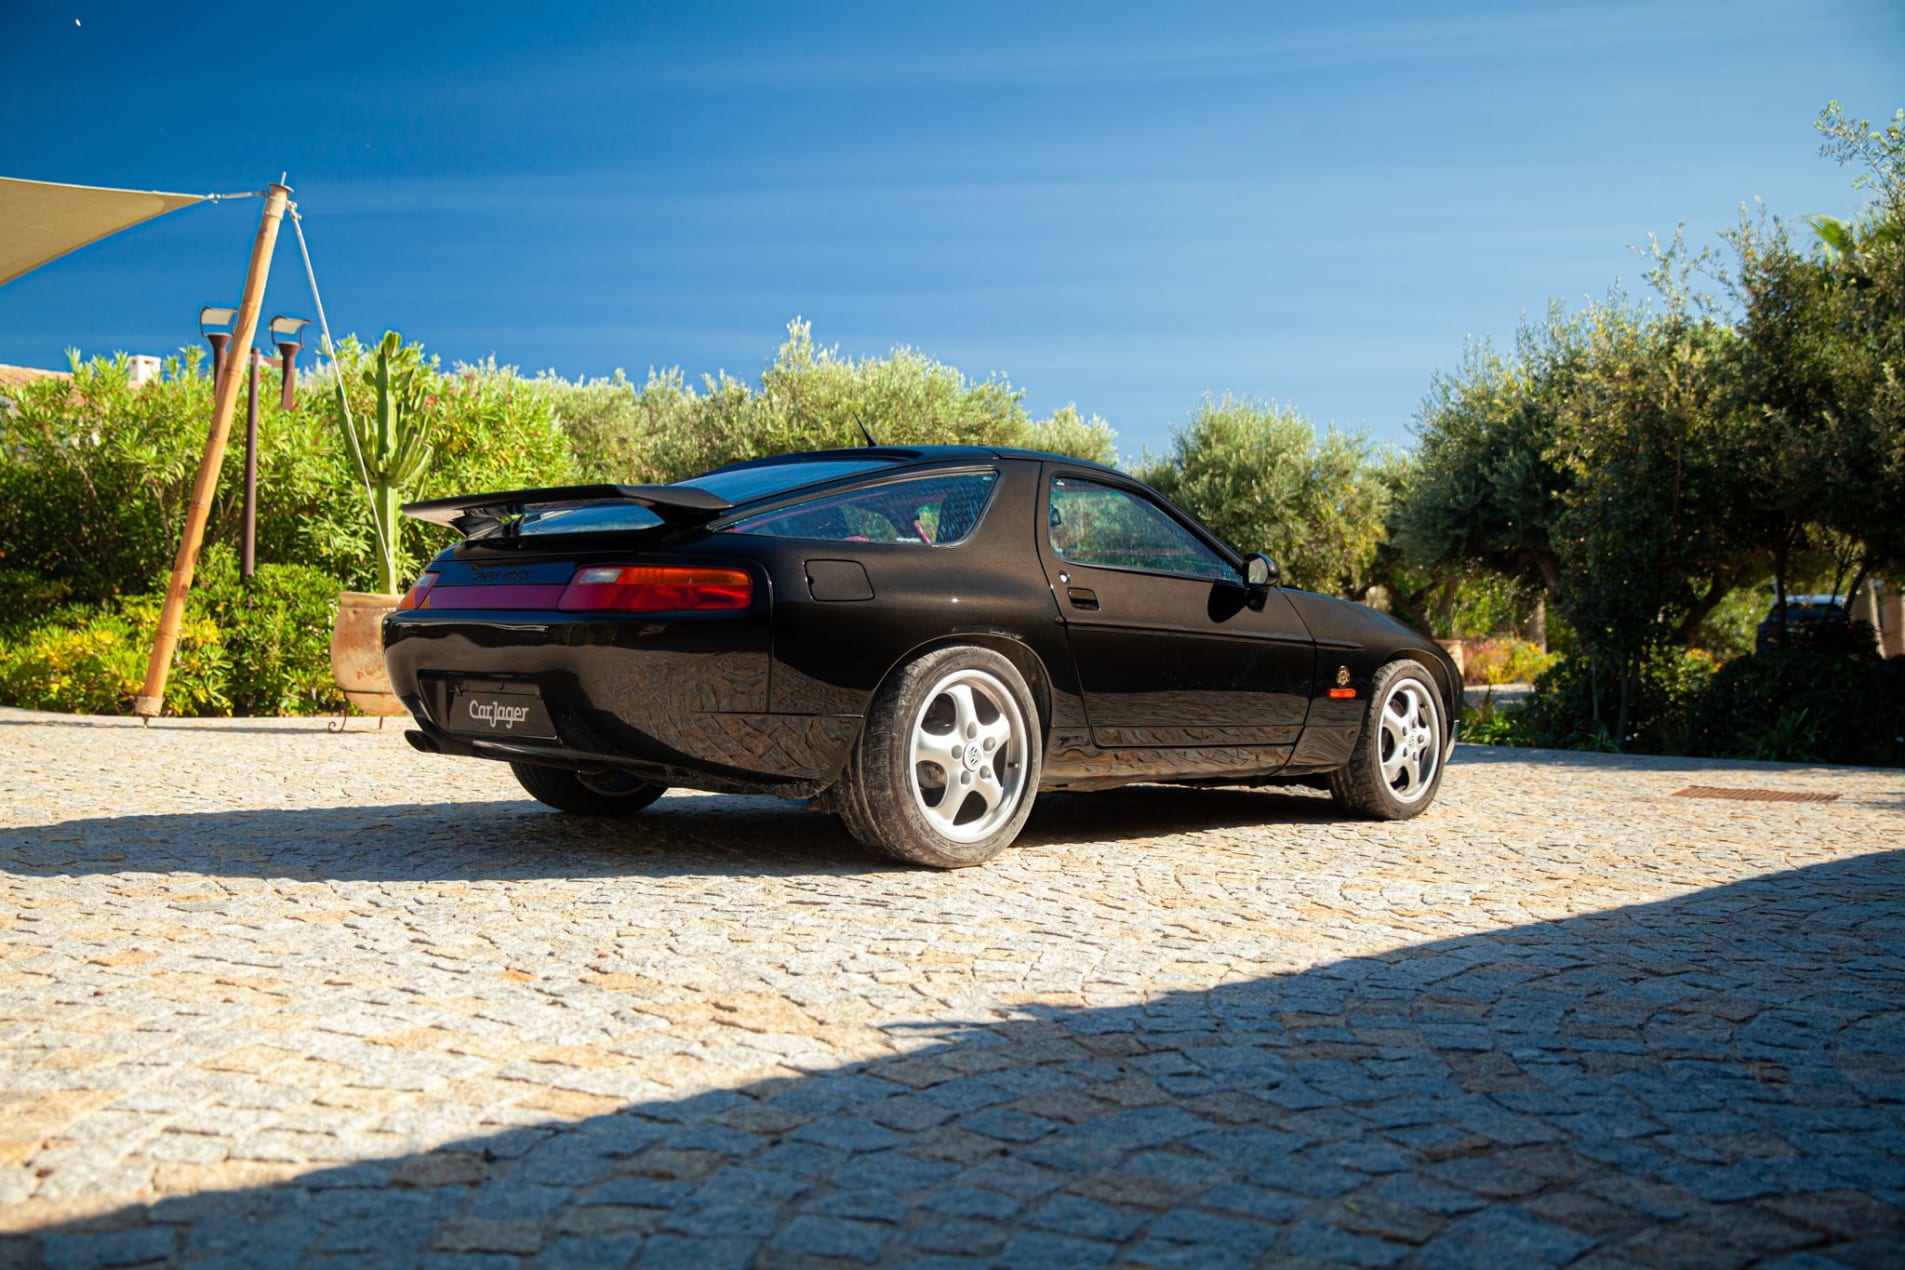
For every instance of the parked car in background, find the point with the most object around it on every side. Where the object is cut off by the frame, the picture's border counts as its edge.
(921, 639)
(1805, 616)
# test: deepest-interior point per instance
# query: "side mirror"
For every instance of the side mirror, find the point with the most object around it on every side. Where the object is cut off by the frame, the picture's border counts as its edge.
(1259, 573)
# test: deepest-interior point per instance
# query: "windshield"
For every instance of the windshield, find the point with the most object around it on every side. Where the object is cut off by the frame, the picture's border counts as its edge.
(745, 484)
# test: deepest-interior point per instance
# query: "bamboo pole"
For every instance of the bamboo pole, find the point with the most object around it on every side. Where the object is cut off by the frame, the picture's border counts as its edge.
(151, 699)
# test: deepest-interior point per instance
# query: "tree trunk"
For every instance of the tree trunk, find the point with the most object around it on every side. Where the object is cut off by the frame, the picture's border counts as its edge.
(1445, 604)
(1697, 612)
(1779, 589)
(1627, 707)
(1535, 630)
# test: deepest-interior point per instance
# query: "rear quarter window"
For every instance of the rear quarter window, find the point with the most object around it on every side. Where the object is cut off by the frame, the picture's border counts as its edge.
(925, 511)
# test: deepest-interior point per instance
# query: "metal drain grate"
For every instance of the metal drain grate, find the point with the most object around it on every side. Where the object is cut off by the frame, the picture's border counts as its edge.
(1753, 795)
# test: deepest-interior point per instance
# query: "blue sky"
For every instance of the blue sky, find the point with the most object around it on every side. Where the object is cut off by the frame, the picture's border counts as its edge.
(1121, 206)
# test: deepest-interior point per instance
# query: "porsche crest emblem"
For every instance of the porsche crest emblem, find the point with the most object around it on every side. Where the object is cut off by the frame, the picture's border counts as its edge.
(1342, 676)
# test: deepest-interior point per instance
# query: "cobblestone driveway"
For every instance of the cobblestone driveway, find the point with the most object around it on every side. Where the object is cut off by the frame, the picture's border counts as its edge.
(273, 995)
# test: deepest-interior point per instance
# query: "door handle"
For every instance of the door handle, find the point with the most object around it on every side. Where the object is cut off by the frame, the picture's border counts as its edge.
(1082, 597)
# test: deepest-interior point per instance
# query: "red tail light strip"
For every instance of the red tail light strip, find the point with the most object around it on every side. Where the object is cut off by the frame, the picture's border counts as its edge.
(519, 596)
(657, 589)
(598, 589)
(418, 592)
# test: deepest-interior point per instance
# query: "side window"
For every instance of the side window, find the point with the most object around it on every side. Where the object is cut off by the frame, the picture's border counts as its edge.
(925, 511)
(1095, 524)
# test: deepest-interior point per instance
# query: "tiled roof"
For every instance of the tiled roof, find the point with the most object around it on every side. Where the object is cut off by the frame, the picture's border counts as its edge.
(10, 375)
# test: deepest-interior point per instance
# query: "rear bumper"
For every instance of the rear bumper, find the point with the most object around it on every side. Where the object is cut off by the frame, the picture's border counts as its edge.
(682, 701)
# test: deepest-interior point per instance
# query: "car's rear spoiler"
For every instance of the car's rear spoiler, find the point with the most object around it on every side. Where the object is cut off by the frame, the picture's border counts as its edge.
(469, 514)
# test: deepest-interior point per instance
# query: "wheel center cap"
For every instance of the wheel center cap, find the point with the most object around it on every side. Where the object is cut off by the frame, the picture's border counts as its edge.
(972, 757)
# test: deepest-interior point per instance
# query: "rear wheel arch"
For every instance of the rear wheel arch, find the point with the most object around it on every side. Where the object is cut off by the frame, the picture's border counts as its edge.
(1030, 665)
(947, 764)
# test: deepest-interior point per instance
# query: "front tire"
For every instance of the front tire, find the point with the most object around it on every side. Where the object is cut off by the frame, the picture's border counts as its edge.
(1396, 767)
(948, 764)
(601, 794)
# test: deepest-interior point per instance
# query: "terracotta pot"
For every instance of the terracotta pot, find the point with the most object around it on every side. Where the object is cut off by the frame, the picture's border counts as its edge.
(357, 652)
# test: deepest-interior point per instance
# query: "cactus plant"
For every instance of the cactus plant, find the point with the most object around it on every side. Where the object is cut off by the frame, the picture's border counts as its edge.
(393, 444)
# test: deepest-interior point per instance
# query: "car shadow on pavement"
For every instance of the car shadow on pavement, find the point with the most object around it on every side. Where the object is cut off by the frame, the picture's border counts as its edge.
(1714, 1079)
(512, 839)
(1149, 811)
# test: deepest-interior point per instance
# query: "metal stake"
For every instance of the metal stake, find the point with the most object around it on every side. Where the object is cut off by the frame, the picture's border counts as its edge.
(248, 555)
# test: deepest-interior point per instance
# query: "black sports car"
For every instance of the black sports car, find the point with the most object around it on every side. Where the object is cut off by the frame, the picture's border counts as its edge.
(920, 639)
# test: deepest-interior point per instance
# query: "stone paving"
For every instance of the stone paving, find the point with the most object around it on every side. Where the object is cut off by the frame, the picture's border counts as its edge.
(272, 995)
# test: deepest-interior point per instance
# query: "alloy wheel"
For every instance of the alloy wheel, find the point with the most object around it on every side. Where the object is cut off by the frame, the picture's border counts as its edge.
(968, 755)
(1411, 740)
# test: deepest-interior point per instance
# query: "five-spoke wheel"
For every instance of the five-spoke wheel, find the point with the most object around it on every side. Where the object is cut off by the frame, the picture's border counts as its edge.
(947, 766)
(1393, 772)
(1411, 739)
(969, 739)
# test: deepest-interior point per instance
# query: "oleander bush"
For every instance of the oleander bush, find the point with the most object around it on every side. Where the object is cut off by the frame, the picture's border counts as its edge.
(94, 661)
(95, 473)
(261, 648)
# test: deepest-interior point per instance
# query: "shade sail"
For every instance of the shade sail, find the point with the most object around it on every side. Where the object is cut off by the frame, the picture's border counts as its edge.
(41, 221)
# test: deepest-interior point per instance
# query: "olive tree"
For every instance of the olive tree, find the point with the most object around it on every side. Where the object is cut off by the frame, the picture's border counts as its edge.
(1264, 480)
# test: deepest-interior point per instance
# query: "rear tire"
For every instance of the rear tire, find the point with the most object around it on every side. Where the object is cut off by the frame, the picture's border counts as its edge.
(948, 764)
(604, 794)
(1396, 767)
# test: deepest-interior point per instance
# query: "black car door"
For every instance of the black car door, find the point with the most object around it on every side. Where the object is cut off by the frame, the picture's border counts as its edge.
(1169, 653)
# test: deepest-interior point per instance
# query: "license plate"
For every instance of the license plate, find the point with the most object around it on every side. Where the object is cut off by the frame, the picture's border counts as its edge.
(515, 711)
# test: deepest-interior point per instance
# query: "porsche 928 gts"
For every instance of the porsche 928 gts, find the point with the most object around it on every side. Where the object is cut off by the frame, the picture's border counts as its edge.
(921, 640)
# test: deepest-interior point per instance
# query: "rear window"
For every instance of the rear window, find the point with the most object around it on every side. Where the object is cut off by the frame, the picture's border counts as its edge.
(740, 485)
(595, 519)
(745, 484)
(924, 511)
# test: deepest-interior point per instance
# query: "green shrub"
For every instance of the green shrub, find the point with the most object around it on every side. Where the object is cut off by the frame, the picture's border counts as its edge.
(262, 649)
(1788, 705)
(92, 668)
(1487, 724)
(26, 598)
(1730, 629)
(275, 633)
(1803, 706)
(1487, 604)
(97, 666)
(1665, 695)
(95, 474)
